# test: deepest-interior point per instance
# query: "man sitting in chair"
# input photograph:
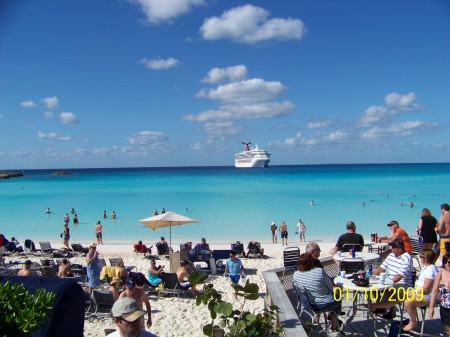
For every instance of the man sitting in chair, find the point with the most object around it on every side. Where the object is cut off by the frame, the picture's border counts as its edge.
(202, 251)
(254, 248)
(162, 246)
(183, 276)
(351, 237)
(140, 248)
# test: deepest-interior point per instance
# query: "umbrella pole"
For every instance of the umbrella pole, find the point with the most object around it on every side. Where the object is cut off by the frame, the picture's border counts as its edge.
(170, 236)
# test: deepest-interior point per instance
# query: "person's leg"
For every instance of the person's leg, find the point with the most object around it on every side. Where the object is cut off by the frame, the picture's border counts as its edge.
(411, 308)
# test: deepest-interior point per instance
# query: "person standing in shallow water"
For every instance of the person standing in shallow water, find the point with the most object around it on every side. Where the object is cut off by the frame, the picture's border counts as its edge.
(66, 235)
(284, 233)
(273, 228)
(99, 233)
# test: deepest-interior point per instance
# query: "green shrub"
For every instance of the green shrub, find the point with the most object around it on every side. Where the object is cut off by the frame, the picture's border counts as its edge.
(21, 313)
(238, 322)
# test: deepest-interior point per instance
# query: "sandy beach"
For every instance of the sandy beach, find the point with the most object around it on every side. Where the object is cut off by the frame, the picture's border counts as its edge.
(174, 316)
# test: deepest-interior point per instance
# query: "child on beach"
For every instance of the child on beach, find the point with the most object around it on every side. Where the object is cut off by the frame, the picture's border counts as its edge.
(273, 228)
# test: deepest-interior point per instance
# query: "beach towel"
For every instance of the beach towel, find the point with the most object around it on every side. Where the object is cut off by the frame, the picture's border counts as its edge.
(108, 272)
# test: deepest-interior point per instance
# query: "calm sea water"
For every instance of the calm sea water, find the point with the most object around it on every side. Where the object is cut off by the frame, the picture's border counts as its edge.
(232, 204)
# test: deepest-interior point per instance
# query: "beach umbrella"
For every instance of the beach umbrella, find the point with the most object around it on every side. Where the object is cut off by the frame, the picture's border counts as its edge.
(167, 219)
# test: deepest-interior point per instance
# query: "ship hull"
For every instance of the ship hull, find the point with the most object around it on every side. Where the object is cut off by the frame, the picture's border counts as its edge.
(252, 163)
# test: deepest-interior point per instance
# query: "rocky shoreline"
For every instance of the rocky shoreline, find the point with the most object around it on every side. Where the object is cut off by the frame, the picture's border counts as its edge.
(9, 174)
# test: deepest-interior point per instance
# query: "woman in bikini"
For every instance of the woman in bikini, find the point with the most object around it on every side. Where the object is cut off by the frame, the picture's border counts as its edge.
(441, 286)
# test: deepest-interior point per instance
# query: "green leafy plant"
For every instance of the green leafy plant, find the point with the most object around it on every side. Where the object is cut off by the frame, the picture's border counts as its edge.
(239, 323)
(22, 313)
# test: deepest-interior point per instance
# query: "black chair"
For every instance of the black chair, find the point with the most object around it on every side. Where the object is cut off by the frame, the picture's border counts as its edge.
(290, 258)
(309, 317)
(46, 247)
(254, 249)
(101, 304)
(171, 284)
(238, 248)
(352, 265)
(162, 248)
(30, 246)
(347, 246)
(78, 248)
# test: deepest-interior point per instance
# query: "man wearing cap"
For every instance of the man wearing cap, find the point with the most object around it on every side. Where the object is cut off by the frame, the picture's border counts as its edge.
(398, 268)
(137, 294)
(397, 233)
(128, 317)
(444, 228)
(26, 270)
(273, 228)
(162, 246)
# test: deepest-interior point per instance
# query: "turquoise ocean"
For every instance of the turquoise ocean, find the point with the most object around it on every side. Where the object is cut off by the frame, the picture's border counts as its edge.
(232, 204)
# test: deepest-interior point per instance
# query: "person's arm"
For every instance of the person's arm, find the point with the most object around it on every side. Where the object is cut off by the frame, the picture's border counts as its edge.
(441, 227)
(419, 228)
(89, 260)
(334, 250)
(149, 311)
(434, 294)
(378, 271)
(242, 269)
(226, 268)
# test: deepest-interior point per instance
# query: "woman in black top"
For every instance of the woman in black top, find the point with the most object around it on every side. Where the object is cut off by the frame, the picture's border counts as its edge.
(427, 229)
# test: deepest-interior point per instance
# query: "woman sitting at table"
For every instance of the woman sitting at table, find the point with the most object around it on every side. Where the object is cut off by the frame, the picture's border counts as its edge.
(420, 297)
(318, 286)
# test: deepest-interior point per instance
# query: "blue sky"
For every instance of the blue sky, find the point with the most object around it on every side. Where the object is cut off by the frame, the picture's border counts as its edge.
(122, 83)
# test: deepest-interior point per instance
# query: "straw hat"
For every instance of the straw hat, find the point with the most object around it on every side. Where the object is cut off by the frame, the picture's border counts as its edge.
(93, 244)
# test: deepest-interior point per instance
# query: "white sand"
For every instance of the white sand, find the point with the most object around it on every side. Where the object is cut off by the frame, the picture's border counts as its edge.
(174, 316)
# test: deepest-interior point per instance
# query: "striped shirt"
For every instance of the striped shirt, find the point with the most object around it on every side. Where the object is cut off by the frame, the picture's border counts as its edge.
(317, 284)
(402, 265)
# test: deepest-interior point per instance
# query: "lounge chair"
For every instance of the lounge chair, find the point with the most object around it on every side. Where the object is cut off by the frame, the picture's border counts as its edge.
(254, 250)
(171, 285)
(113, 261)
(48, 271)
(78, 248)
(101, 304)
(238, 248)
(46, 247)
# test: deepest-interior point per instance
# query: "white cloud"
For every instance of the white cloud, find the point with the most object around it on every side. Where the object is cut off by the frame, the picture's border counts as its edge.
(319, 124)
(27, 104)
(197, 146)
(245, 111)
(400, 102)
(252, 90)
(220, 130)
(233, 74)
(336, 136)
(250, 24)
(48, 114)
(53, 135)
(159, 64)
(395, 104)
(50, 102)
(157, 11)
(68, 118)
(147, 138)
(299, 139)
(396, 130)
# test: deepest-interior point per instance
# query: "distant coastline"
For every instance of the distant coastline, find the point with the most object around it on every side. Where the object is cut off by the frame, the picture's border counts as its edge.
(9, 174)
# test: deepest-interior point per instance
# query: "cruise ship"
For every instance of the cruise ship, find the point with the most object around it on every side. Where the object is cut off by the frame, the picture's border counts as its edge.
(252, 158)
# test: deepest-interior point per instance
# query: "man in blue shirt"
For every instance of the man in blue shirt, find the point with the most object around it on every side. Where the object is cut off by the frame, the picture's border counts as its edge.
(234, 268)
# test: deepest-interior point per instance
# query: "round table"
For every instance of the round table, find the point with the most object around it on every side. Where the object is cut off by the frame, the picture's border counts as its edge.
(366, 256)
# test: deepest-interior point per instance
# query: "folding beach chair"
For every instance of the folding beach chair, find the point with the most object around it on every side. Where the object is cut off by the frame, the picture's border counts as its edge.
(48, 271)
(171, 285)
(290, 258)
(162, 249)
(101, 263)
(46, 247)
(101, 304)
